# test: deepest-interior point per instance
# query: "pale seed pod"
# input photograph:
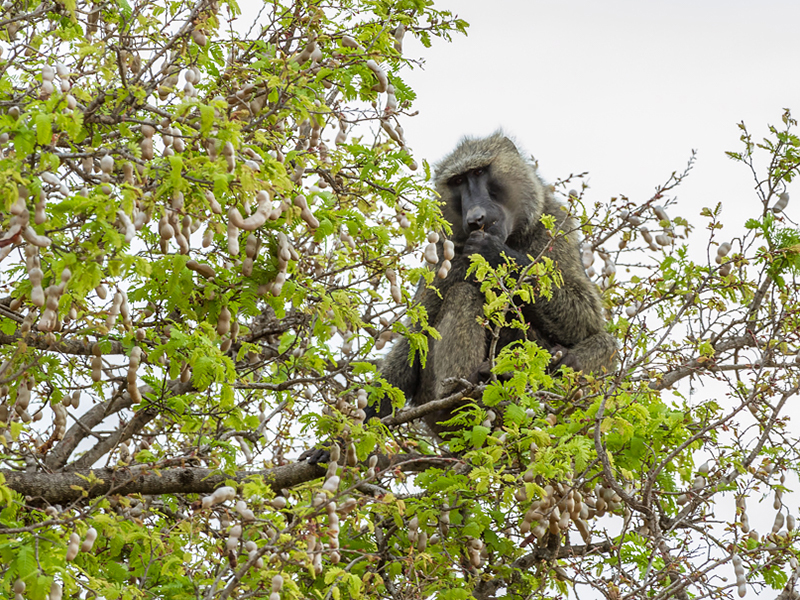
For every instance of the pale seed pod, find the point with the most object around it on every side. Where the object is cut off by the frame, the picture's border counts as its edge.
(383, 81)
(430, 254)
(778, 523)
(349, 42)
(449, 250)
(212, 202)
(55, 591)
(208, 237)
(73, 547)
(88, 542)
(587, 257)
(107, 163)
(399, 32)
(233, 239)
(331, 484)
(781, 203)
(660, 213)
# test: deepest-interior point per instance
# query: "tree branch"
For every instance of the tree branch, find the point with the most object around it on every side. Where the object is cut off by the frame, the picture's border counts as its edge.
(66, 487)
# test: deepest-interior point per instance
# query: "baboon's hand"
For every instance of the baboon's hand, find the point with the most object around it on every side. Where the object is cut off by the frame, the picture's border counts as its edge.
(487, 245)
(563, 356)
(314, 456)
(484, 373)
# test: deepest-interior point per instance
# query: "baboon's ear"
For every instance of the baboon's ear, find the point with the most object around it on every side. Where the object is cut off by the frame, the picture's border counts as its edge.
(507, 144)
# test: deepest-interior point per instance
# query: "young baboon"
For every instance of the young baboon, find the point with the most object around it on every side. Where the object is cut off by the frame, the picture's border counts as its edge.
(493, 198)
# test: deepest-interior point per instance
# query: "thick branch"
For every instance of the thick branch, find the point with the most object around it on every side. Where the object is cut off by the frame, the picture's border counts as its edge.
(63, 488)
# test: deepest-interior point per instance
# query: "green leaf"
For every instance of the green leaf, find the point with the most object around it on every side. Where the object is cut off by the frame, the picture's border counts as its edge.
(44, 129)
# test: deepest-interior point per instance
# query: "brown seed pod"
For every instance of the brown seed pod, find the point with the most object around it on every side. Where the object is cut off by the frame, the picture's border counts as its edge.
(203, 269)
(224, 321)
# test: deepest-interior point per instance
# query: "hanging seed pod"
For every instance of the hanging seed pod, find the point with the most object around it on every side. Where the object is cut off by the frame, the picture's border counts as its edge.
(781, 203)
(399, 32)
(430, 255)
(383, 81)
(722, 251)
(233, 239)
(305, 213)
(228, 153)
(224, 321)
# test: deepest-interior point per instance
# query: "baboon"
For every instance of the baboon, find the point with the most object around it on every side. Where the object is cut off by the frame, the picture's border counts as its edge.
(493, 199)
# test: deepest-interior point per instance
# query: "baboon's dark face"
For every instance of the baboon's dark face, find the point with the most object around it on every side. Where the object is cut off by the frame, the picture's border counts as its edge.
(482, 202)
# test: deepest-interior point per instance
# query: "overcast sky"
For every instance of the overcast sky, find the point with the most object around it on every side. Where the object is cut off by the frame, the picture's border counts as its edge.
(623, 89)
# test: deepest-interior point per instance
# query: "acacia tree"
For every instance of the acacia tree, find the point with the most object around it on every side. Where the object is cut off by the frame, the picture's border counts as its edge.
(196, 282)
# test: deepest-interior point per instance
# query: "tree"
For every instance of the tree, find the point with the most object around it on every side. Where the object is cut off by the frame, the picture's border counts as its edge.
(196, 286)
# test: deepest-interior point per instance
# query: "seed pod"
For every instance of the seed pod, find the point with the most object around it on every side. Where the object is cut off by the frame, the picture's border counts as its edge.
(107, 163)
(88, 542)
(212, 202)
(257, 219)
(233, 239)
(778, 523)
(449, 250)
(305, 213)
(203, 269)
(349, 42)
(30, 235)
(331, 484)
(55, 591)
(444, 269)
(781, 203)
(663, 239)
(430, 254)
(127, 226)
(399, 32)
(383, 81)
(661, 213)
(199, 38)
(73, 547)
(224, 321)
(587, 257)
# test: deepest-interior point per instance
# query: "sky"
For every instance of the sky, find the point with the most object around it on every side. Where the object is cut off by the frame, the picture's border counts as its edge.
(622, 89)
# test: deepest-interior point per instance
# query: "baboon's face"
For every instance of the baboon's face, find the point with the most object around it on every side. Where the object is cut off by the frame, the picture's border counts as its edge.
(482, 202)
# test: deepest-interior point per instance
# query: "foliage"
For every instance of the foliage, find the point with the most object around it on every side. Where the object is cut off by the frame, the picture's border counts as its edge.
(196, 287)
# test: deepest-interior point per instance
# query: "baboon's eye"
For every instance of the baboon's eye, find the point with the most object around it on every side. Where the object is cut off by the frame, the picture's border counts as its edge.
(478, 172)
(457, 180)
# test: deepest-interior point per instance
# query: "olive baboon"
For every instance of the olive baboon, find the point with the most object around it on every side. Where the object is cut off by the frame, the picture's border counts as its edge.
(494, 199)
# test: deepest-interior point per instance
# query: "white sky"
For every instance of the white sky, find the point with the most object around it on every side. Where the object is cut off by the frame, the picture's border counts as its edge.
(623, 89)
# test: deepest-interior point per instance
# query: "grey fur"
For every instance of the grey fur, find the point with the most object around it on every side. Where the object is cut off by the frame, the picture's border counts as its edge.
(572, 321)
